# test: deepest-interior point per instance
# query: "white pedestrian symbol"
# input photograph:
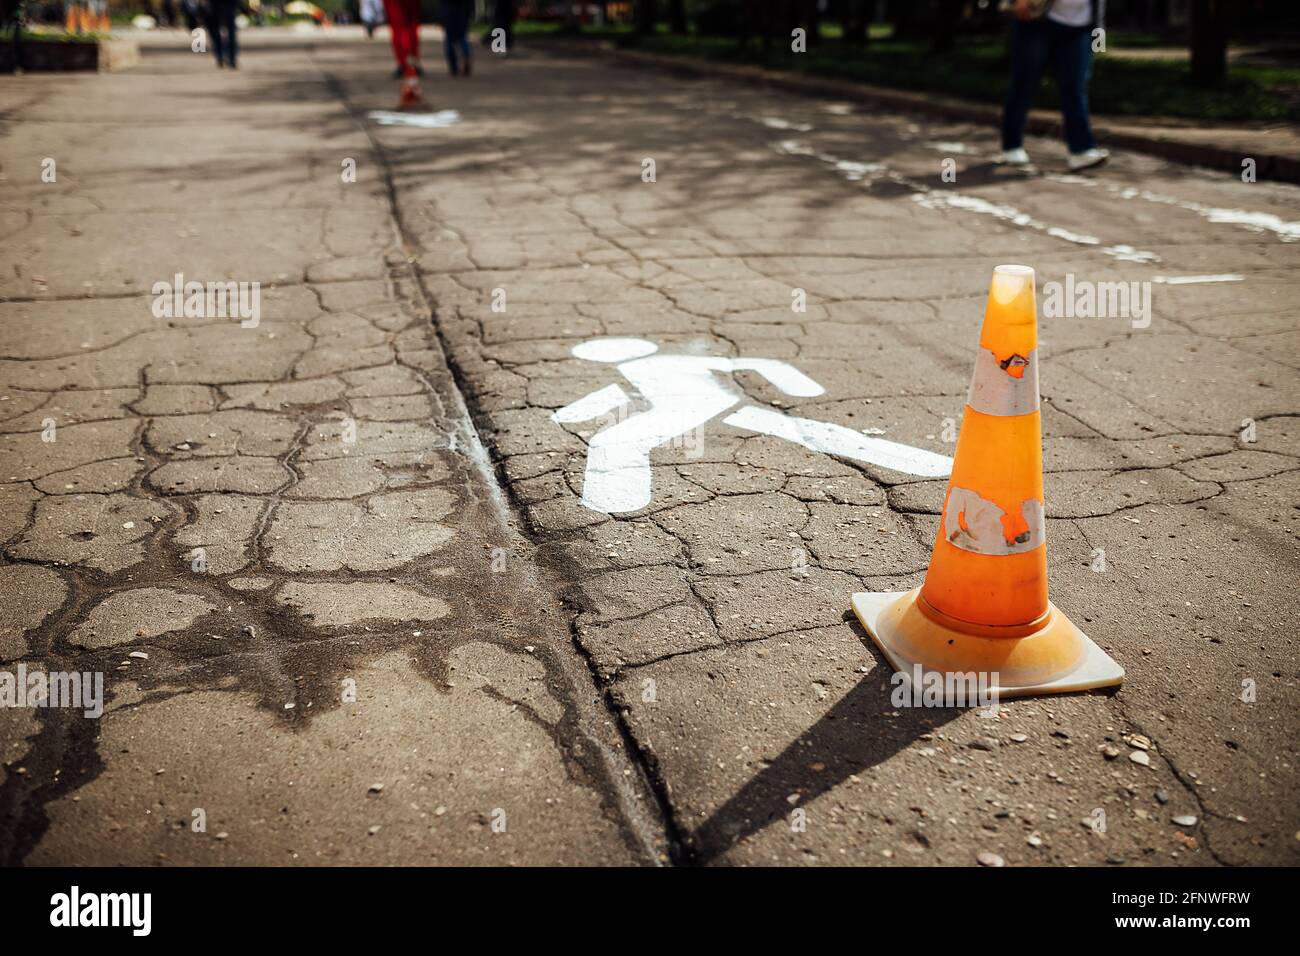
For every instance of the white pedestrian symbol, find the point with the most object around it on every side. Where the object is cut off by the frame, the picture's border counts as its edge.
(423, 120)
(684, 392)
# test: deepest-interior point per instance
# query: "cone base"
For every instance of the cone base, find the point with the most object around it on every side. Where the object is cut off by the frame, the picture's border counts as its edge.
(1056, 659)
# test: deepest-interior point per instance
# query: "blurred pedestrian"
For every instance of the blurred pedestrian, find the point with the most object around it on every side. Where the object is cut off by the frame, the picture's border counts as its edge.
(221, 29)
(1059, 32)
(372, 14)
(404, 30)
(455, 16)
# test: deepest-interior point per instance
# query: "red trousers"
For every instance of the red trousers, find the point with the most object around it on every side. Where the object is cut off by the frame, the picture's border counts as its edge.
(404, 26)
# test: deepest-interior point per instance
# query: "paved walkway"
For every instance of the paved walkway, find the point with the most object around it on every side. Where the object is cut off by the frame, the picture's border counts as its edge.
(1273, 147)
(364, 662)
(731, 677)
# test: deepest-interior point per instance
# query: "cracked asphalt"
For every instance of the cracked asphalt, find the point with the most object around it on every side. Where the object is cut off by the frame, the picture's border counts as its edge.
(385, 504)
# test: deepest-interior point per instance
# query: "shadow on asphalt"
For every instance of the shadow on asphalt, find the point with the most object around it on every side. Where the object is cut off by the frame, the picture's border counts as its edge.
(556, 109)
(851, 737)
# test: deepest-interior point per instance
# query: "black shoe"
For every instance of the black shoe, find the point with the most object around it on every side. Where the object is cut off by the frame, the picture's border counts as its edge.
(398, 73)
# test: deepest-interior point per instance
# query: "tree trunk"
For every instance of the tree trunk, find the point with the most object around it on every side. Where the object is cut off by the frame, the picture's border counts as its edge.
(945, 15)
(647, 14)
(1207, 36)
(814, 21)
(910, 19)
(853, 21)
(677, 16)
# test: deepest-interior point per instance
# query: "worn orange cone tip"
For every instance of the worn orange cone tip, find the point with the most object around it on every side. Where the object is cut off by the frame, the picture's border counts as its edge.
(983, 608)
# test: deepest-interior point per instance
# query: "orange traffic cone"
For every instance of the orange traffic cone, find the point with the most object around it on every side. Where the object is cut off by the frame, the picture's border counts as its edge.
(983, 607)
(409, 95)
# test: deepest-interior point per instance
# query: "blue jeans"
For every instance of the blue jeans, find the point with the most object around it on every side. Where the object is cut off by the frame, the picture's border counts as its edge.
(1069, 49)
(455, 25)
(457, 49)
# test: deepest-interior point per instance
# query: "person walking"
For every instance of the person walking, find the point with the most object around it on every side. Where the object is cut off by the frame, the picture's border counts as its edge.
(404, 30)
(1059, 32)
(372, 14)
(221, 27)
(455, 16)
(191, 13)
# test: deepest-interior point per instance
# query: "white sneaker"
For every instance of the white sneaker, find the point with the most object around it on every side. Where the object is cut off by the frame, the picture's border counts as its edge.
(1088, 158)
(1014, 157)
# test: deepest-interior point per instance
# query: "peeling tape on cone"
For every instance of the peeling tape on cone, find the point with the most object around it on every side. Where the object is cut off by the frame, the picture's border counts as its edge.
(983, 608)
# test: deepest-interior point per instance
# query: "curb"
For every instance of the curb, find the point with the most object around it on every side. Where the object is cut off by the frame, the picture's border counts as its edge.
(1271, 166)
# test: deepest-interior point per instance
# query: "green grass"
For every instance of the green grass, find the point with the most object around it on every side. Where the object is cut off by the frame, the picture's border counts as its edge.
(977, 70)
(28, 36)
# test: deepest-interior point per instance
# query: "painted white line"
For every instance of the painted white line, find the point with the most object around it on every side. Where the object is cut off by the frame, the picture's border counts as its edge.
(775, 122)
(946, 199)
(781, 374)
(1192, 280)
(939, 200)
(1125, 253)
(793, 147)
(422, 120)
(853, 170)
(831, 439)
(959, 148)
(598, 403)
(1254, 221)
